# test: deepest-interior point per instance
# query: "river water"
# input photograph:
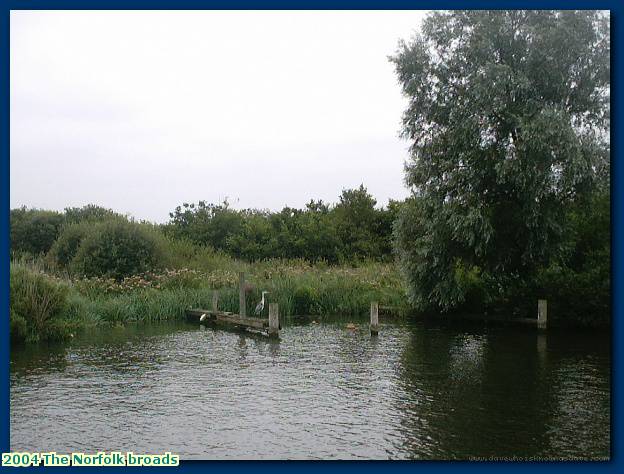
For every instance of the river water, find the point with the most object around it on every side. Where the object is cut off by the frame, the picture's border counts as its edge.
(418, 391)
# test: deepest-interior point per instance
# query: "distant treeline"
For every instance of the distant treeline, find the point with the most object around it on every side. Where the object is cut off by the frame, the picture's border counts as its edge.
(354, 229)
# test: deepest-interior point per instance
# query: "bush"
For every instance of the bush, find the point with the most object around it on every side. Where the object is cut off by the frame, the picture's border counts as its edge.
(577, 298)
(66, 245)
(37, 301)
(34, 231)
(118, 249)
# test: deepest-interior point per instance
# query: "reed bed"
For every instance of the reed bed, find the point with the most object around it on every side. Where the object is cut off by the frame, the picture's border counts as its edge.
(297, 286)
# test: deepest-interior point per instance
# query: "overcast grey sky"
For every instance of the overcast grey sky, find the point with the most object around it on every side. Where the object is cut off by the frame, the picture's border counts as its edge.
(142, 111)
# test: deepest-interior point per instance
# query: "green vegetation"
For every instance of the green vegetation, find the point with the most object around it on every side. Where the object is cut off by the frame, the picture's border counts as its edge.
(297, 286)
(37, 305)
(508, 117)
(103, 268)
(34, 231)
(117, 248)
(352, 230)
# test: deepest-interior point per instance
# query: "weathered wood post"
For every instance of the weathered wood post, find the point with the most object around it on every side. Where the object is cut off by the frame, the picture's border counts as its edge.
(374, 319)
(242, 305)
(542, 314)
(215, 301)
(273, 320)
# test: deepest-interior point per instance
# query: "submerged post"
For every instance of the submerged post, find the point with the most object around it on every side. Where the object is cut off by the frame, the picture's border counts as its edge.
(374, 319)
(215, 301)
(542, 314)
(242, 306)
(273, 320)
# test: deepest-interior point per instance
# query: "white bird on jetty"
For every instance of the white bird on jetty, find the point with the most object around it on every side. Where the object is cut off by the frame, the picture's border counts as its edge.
(203, 317)
(260, 306)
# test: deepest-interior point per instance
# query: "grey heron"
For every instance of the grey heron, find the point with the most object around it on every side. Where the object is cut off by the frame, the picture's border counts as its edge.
(260, 306)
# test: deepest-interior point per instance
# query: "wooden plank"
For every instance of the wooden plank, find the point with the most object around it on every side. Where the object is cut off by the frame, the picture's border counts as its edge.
(195, 314)
(242, 321)
(227, 317)
(273, 320)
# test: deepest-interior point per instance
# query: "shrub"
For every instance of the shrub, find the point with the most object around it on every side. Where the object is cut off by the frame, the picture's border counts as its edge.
(36, 302)
(66, 245)
(118, 249)
(34, 231)
(577, 298)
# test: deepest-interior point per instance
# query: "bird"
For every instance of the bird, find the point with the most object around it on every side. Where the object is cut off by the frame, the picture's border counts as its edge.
(203, 318)
(260, 305)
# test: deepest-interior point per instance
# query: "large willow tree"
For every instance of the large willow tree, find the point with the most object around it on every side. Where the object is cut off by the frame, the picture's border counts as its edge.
(508, 121)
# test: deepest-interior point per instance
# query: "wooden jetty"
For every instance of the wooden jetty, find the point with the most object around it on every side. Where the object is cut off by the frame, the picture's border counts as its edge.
(194, 315)
(270, 326)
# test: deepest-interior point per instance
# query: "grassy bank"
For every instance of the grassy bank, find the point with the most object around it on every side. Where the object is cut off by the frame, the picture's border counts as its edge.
(47, 304)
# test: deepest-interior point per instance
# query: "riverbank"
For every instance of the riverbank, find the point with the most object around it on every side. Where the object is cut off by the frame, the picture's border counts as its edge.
(49, 306)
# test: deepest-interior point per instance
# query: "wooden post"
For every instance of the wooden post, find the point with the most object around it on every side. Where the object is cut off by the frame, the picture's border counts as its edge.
(273, 320)
(374, 319)
(215, 301)
(542, 314)
(242, 306)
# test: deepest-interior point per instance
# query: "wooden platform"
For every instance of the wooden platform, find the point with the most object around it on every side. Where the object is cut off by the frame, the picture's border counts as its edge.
(224, 317)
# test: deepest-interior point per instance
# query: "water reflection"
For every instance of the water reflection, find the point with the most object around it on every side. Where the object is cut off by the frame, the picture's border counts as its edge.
(498, 394)
(417, 392)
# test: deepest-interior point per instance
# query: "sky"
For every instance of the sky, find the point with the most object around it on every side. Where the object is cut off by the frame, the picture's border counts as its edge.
(141, 111)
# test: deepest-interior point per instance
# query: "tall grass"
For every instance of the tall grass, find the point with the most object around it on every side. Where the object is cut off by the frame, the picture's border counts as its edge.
(37, 304)
(297, 286)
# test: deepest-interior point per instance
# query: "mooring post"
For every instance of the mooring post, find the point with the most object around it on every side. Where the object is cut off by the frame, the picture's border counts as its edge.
(542, 314)
(273, 320)
(374, 319)
(242, 306)
(215, 301)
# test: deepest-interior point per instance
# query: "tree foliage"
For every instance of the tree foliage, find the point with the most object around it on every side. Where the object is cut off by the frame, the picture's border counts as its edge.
(508, 120)
(354, 229)
(34, 231)
(117, 249)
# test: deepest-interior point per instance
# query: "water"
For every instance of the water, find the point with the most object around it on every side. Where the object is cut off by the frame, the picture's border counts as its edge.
(418, 391)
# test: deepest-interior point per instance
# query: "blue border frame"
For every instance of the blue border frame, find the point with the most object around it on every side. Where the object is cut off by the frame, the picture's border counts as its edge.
(617, 194)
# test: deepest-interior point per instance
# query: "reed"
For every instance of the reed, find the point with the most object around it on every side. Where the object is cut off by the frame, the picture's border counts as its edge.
(297, 286)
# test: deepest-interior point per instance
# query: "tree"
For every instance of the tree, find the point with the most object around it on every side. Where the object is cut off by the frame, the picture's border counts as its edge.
(357, 224)
(508, 119)
(206, 224)
(34, 230)
(89, 213)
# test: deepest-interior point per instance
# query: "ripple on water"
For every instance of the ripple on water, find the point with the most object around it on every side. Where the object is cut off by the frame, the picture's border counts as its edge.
(321, 392)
